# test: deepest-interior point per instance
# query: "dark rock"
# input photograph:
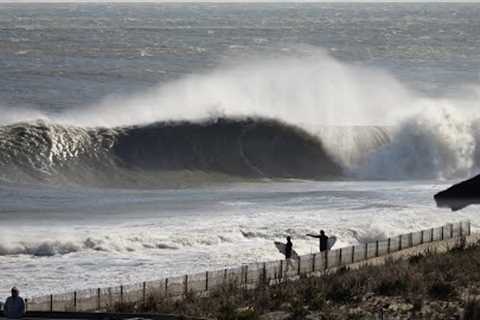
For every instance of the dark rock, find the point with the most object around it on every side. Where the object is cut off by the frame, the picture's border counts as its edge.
(460, 195)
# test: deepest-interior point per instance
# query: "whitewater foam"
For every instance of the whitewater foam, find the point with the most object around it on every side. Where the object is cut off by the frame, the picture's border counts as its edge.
(312, 90)
(439, 143)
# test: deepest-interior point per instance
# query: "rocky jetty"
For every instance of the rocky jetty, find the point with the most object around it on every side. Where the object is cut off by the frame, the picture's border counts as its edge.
(460, 195)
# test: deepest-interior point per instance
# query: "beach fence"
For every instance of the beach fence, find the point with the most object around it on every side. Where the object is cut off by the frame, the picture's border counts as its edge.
(247, 276)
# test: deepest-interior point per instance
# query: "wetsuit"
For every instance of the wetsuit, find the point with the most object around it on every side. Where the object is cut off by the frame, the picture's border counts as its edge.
(323, 241)
(288, 250)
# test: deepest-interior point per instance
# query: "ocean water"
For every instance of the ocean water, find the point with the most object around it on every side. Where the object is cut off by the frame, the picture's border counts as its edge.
(143, 141)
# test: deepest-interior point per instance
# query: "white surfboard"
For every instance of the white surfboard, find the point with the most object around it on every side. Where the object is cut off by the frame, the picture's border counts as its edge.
(281, 248)
(331, 242)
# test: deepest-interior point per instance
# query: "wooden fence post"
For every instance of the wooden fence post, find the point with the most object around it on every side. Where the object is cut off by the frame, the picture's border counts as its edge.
(451, 230)
(281, 270)
(246, 275)
(51, 303)
(314, 257)
(389, 242)
(365, 256)
(460, 226)
(410, 240)
(340, 256)
(264, 273)
(441, 235)
(144, 293)
(185, 289)
(353, 254)
(421, 237)
(206, 281)
(166, 287)
(469, 228)
(99, 304)
(75, 301)
(299, 265)
(325, 253)
(121, 294)
(376, 248)
(432, 234)
(225, 275)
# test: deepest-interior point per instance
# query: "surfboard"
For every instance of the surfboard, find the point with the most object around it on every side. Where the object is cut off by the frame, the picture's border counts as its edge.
(281, 248)
(331, 242)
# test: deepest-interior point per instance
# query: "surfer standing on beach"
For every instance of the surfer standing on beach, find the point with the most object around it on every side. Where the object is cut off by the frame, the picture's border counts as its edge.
(323, 240)
(288, 253)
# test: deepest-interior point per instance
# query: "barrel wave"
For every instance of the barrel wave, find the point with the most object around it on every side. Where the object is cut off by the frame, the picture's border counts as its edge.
(168, 154)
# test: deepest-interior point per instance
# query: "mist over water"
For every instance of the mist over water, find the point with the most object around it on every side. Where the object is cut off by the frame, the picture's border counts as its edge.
(313, 90)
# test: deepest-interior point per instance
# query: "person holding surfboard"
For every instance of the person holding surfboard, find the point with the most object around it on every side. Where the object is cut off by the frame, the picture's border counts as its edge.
(282, 248)
(323, 240)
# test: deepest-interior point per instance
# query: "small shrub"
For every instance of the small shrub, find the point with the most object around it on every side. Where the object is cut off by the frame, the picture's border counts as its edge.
(356, 315)
(262, 300)
(339, 293)
(317, 302)
(156, 302)
(342, 270)
(249, 314)
(227, 311)
(460, 246)
(124, 307)
(297, 310)
(190, 297)
(417, 304)
(415, 259)
(308, 291)
(282, 293)
(471, 310)
(387, 286)
(441, 289)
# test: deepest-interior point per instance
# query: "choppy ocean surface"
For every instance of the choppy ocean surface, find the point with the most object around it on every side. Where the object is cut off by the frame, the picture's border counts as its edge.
(142, 141)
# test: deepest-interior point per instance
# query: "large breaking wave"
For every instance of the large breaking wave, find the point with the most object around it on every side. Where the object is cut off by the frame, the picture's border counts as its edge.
(308, 117)
(162, 153)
